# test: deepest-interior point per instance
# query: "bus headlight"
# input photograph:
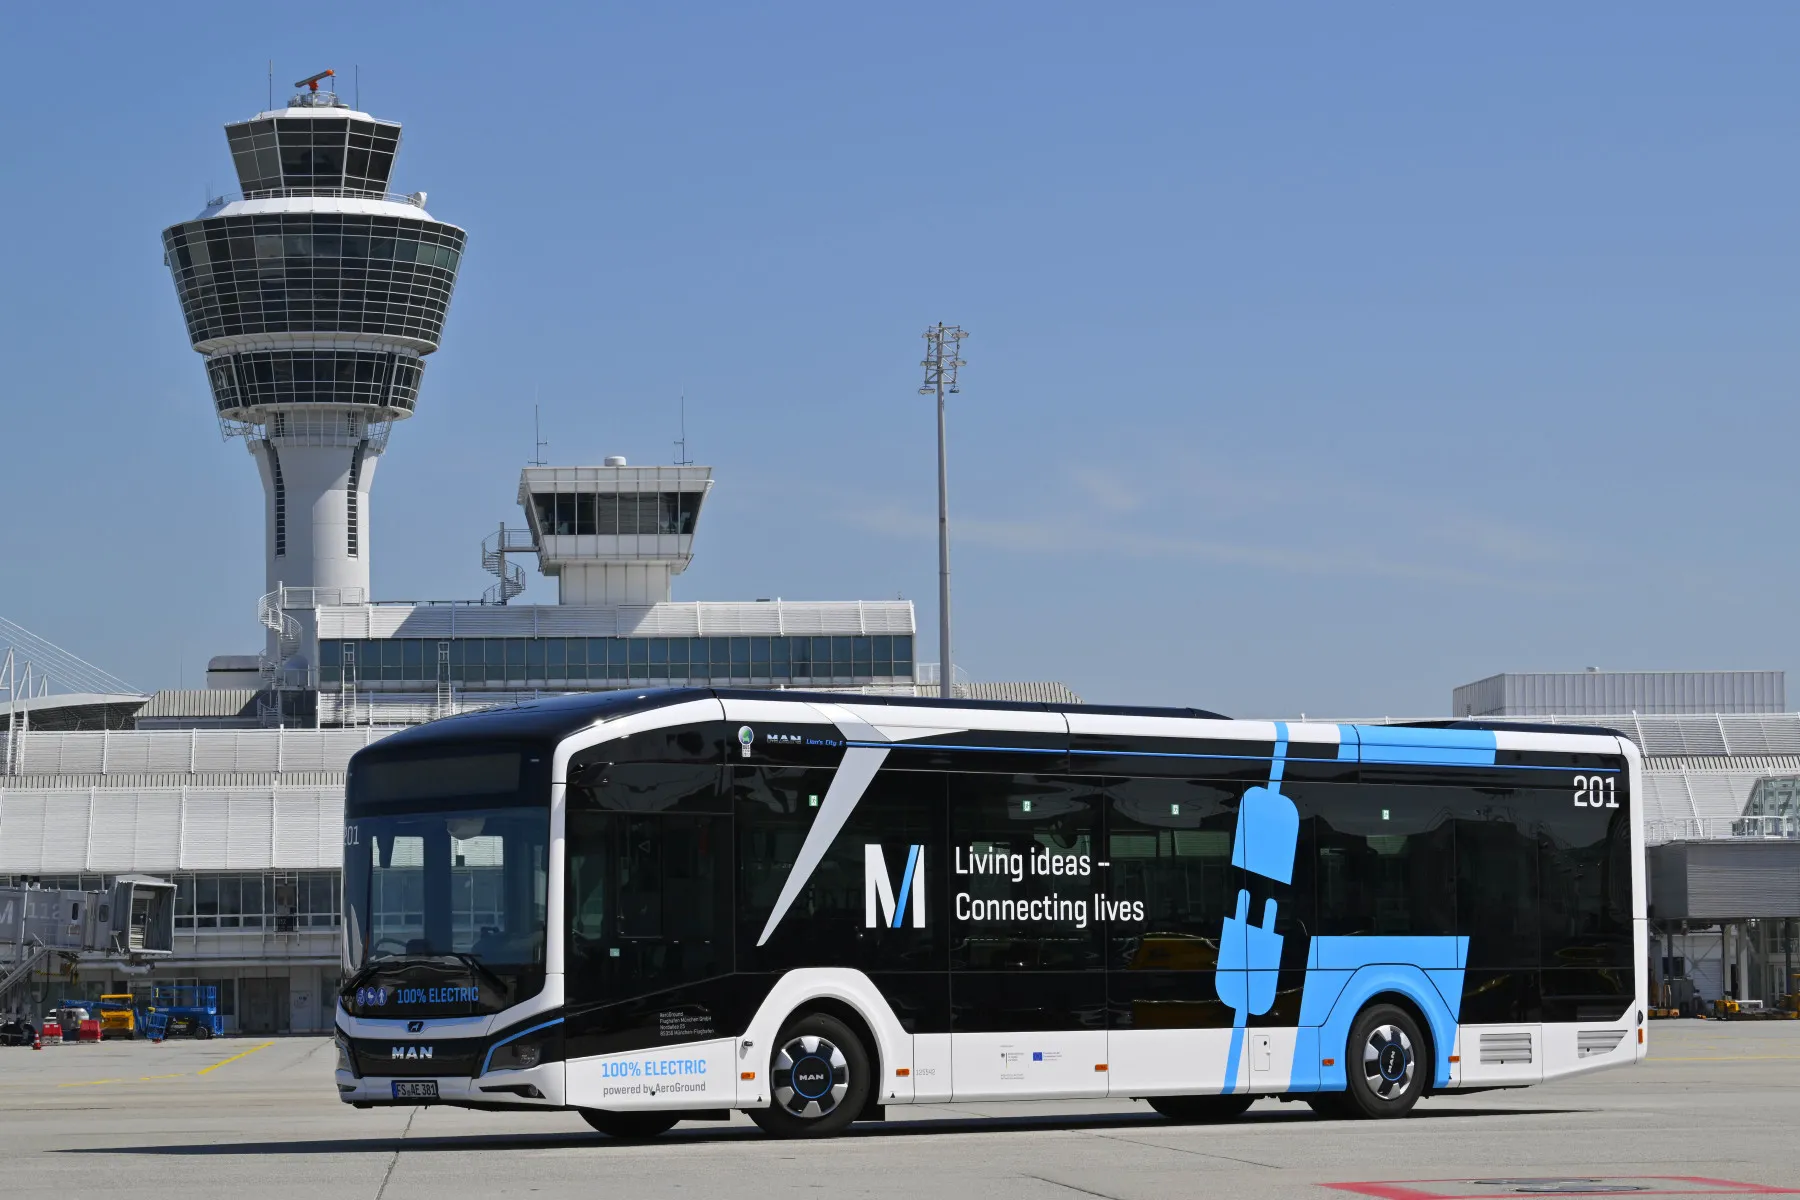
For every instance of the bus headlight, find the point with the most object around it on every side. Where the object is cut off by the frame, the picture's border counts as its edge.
(344, 1060)
(527, 1050)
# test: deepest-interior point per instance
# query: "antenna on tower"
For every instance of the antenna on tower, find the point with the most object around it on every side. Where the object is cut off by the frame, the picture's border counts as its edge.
(538, 442)
(681, 454)
(271, 85)
(357, 67)
(312, 81)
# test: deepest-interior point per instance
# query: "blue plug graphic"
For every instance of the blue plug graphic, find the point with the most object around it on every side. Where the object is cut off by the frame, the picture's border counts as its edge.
(1268, 830)
(1248, 957)
(1268, 835)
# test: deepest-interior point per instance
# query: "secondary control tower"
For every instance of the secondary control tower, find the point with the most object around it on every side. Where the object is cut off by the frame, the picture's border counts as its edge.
(315, 297)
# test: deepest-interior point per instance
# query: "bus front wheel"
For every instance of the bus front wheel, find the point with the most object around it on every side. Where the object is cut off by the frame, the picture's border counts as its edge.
(629, 1126)
(1196, 1110)
(819, 1079)
(1387, 1061)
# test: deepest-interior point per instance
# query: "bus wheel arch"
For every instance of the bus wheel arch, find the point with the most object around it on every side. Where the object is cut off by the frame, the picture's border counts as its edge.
(1427, 1050)
(821, 1077)
(863, 1028)
(1389, 1059)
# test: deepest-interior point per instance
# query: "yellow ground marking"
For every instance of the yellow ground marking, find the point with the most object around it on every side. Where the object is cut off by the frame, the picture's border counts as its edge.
(227, 1061)
(171, 1075)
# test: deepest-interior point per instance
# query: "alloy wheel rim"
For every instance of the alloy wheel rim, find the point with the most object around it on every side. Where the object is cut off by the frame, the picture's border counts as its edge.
(810, 1077)
(1388, 1062)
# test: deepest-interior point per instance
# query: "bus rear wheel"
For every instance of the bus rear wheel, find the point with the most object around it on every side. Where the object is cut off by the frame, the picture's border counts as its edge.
(629, 1126)
(819, 1079)
(1387, 1061)
(1197, 1110)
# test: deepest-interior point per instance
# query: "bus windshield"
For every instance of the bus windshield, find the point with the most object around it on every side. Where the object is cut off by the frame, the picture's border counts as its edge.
(465, 885)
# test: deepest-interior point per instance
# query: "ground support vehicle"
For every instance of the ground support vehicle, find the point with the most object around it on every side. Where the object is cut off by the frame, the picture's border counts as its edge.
(119, 1016)
(185, 1010)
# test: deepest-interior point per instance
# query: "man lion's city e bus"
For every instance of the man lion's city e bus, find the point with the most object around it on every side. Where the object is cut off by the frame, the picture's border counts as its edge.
(663, 906)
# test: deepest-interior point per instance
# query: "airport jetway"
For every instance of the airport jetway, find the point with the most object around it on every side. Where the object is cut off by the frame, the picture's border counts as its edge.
(130, 921)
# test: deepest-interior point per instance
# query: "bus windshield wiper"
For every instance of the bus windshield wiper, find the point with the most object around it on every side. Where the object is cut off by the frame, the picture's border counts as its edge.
(359, 977)
(476, 965)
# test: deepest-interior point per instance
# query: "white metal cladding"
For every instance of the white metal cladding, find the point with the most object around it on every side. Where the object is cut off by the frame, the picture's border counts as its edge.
(1572, 693)
(22, 831)
(44, 830)
(189, 751)
(673, 619)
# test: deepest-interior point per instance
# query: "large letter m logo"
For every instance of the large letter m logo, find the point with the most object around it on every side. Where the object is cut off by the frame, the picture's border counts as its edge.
(879, 905)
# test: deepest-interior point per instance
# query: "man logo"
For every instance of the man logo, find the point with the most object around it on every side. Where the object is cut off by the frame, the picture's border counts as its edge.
(878, 895)
(415, 1027)
(410, 1052)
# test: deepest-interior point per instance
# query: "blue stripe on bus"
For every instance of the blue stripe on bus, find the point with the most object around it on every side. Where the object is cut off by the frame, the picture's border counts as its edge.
(515, 1037)
(906, 884)
(1428, 747)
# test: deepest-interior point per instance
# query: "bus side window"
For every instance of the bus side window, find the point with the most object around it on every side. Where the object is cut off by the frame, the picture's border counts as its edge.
(1386, 859)
(1169, 849)
(648, 902)
(589, 886)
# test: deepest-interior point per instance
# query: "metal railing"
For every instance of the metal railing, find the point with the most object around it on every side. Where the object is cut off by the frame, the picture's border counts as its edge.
(320, 597)
(416, 199)
(1706, 829)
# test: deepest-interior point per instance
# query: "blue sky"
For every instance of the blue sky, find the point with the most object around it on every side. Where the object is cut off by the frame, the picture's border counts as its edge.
(1323, 356)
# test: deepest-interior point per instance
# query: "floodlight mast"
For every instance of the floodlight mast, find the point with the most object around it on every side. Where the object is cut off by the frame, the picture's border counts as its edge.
(943, 344)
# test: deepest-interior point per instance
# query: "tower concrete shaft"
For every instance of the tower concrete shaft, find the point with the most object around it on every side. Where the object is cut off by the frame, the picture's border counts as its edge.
(315, 296)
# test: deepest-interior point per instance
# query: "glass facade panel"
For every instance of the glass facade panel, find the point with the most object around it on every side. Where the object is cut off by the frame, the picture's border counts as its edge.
(231, 282)
(620, 514)
(483, 662)
(362, 377)
(279, 901)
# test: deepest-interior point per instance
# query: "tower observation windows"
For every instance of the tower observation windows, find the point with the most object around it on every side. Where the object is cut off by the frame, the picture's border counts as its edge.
(326, 153)
(314, 272)
(267, 377)
(610, 514)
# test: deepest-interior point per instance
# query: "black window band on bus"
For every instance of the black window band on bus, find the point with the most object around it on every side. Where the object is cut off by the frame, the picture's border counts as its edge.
(424, 778)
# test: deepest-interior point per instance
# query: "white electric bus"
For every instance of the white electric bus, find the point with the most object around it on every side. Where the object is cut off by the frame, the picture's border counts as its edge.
(661, 906)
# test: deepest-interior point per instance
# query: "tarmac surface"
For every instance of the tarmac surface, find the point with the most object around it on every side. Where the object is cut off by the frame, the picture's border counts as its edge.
(253, 1119)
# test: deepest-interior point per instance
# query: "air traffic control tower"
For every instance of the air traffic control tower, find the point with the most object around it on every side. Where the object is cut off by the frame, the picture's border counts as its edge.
(315, 297)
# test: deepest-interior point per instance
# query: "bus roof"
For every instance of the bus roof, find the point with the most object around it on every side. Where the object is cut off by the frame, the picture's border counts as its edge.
(557, 716)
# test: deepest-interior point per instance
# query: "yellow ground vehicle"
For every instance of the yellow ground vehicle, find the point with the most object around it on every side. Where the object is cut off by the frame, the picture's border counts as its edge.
(118, 1016)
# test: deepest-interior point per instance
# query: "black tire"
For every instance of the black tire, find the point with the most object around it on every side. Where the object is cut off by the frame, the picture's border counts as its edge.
(203, 1032)
(1199, 1110)
(819, 1079)
(630, 1126)
(1388, 1062)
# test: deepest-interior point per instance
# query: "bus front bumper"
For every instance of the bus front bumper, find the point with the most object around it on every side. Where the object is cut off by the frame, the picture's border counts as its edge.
(539, 1087)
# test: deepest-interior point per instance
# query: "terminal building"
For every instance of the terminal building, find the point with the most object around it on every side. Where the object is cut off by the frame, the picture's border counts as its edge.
(1721, 808)
(314, 298)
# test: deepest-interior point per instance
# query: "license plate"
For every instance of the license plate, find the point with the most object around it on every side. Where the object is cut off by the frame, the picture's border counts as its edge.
(415, 1089)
